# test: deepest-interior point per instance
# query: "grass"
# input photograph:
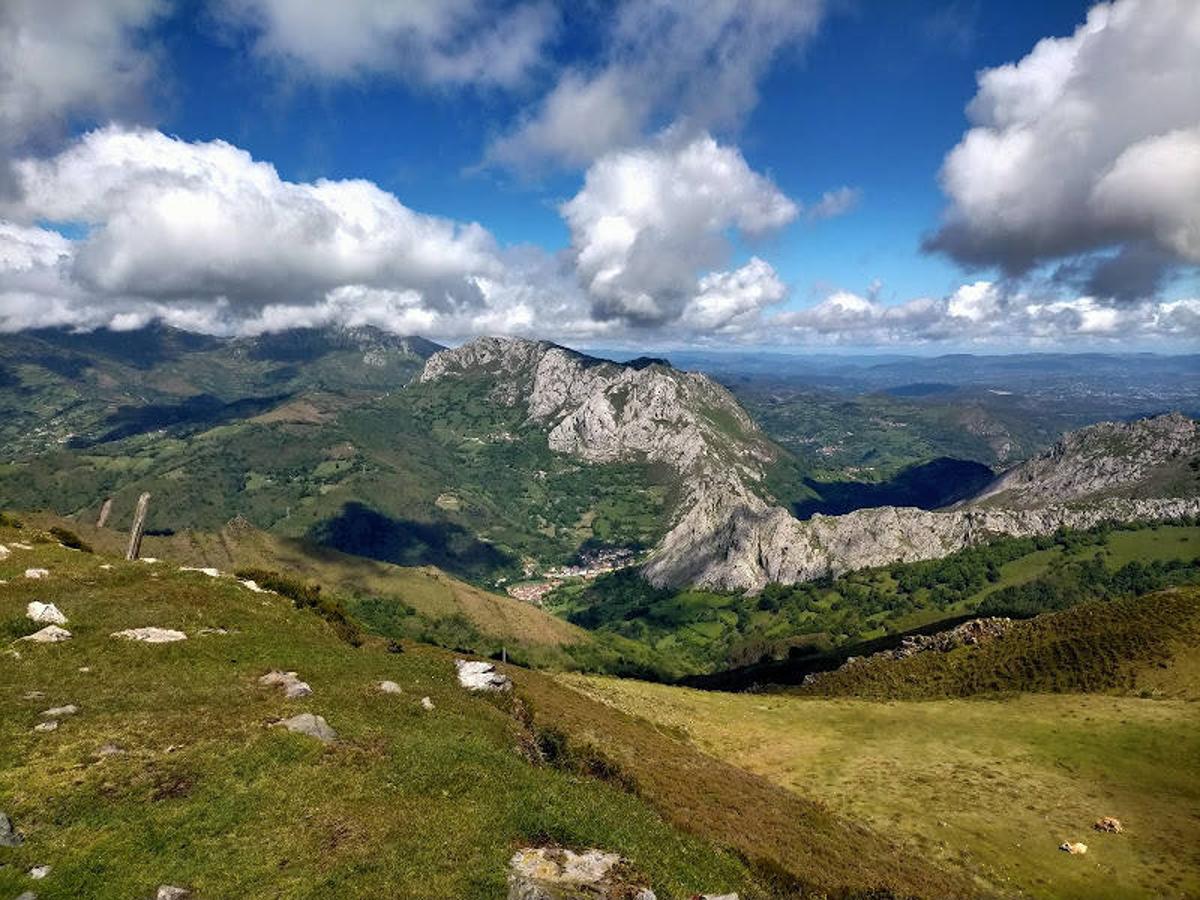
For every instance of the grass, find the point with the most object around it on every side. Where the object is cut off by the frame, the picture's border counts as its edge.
(989, 787)
(408, 803)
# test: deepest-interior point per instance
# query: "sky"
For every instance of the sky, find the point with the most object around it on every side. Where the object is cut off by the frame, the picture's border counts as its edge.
(831, 174)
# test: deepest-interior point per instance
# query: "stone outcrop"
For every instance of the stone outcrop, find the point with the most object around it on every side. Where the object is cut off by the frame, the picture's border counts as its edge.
(551, 873)
(151, 635)
(481, 676)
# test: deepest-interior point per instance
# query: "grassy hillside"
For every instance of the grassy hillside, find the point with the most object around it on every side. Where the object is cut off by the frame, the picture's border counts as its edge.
(169, 771)
(990, 787)
(1095, 646)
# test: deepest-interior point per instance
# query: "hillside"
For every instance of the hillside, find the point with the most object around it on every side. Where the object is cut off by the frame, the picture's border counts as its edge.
(167, 770)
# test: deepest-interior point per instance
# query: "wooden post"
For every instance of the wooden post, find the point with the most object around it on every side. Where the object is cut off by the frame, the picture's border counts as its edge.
(104, 512)
(139, 526)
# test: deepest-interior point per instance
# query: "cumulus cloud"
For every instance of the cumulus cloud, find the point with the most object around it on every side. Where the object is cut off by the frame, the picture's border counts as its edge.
(65, 59)
(1090, 142)
(649, 220)
(448, 42)
(693, 62)
(733, 302)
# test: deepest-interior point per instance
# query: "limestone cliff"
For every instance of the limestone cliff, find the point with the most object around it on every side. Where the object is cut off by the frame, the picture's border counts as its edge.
(727, 533)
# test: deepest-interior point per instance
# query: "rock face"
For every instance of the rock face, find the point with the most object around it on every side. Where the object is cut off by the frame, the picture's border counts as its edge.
(8, 834)
(1120, 459)
(292, 686)
(550, 873)
(151, 635)
(727, 532)
(51, 634)
(308, 724)
(45, 613)
(481, 676)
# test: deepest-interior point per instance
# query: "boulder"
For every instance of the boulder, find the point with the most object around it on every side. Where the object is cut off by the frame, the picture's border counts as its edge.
(8, 834)
(1109, 824)
(552, 873)
(426, 703)
(58, 712)
(292, 686)
(51, 725)
(171, 892)
(313, 726)
(151, 635)
(476, 675)
(1073, 847)
(37, 573)
(51, 634)
(45, 613)
(389, 687)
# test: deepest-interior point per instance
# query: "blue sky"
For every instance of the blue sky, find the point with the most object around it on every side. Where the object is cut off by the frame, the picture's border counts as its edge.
(764, 108)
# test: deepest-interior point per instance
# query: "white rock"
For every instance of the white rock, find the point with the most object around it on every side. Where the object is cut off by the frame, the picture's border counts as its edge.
(389, 687)
(46, 613)
(33, 695)
(58, 712)
(207, 630)
(313, 726)
(210, 572)
(37, 573)
(252, 585)
(39, 872)
(476, 675)
(52, 725)
(292, 686)
(171, 892)
(1073, 847)
(5, 553)
(85, 669)
(150, 559)
(21, 545)
(51, 634)
(151, 635)
(426, 703)
(106, 566)
(535, 873)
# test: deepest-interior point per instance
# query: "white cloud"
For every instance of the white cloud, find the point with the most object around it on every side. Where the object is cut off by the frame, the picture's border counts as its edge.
(834, 203)
(1089, 142)
(433, 41)
(728, 302)
(696, 63)
(62, 59)
(648, 221)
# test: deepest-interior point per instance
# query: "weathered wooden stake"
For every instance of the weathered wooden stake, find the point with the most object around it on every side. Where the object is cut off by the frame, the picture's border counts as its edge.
(104, 511)
(139, 526)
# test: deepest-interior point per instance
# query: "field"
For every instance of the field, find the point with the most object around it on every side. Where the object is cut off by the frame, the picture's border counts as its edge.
(169, 771)
(989, 786)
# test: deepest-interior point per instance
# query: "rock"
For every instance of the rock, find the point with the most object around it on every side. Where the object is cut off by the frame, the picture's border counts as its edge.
(1109, 824)
(551, 873)
(149, 559)
(33, 695)
(151, 635)
(476, 675)
(39, 872)
(5, 553)
(106, 566)
(58, 712)
(389, 687)
(85, 669)
(171, 892)
(292, 686)
(716, 897)
(51, 725)
(1074, 848)
(21, 545)
(27, 895)
(37, 573)
(252, 585)
(208, 630)
(313, 726)
(51, 634)
(426, 703)
(46, 613)
(210, 572)
(109, 750)
(8, 834)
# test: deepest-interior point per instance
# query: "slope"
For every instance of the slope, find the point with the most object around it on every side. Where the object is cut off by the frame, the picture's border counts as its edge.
(167, 772)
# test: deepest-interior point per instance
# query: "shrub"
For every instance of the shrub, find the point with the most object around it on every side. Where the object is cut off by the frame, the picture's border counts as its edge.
(308, 596)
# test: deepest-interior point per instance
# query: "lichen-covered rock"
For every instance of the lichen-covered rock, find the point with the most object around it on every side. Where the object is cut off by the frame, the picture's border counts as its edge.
(51, 634)
(151, 635)
(310, 725)
(9, 837)
(292, 686)
(45, 613)
(476, 675)
(552, 873)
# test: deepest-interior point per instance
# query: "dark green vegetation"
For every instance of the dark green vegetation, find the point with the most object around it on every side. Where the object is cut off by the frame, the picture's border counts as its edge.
(194, 787)
(1095, 646)
(309, 433)
(788, 630)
